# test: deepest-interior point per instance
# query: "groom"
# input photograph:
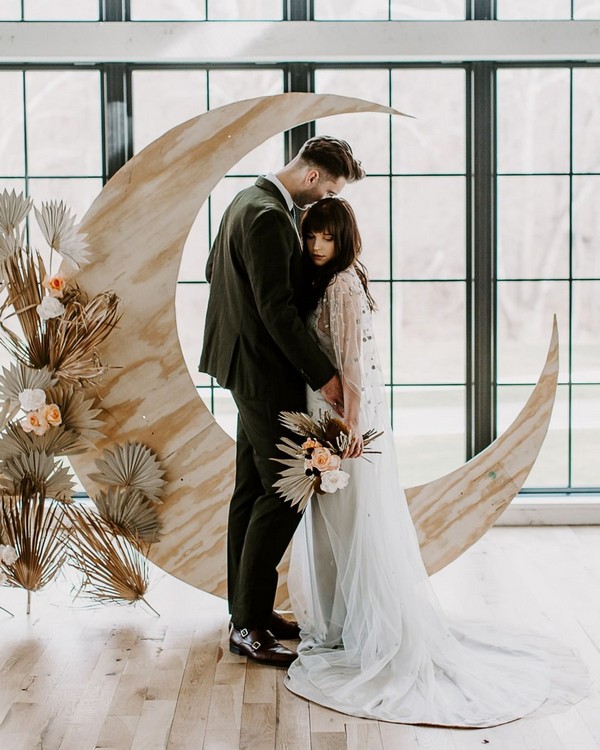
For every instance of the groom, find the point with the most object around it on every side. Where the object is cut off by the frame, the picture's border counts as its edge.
(256, 345)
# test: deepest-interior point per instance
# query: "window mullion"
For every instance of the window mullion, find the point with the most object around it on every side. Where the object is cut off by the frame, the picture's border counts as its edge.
(483, 257)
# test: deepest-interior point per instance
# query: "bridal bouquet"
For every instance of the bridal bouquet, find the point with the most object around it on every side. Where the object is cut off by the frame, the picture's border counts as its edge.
(314, 466)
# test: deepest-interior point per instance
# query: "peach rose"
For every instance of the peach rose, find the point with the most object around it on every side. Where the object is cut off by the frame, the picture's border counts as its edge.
(334, 463)
(310, 443)
(51, 413)
(321, 458)
(35, 422)
(55, 285)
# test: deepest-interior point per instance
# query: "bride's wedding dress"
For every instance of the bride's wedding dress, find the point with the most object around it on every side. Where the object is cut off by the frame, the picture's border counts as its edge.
(375, 642)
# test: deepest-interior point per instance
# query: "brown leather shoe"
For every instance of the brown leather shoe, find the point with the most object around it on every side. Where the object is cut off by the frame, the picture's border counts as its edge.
(287, 630)
(260, 646)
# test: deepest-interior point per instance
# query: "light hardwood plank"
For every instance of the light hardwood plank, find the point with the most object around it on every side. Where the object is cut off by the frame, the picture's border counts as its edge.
(363, 736)
(116, 678)
(293, 727)
(258, 726)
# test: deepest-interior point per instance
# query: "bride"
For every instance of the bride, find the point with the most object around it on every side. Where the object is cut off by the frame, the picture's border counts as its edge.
(375, 642)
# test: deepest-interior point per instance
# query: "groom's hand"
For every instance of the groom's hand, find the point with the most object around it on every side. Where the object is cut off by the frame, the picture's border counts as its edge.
(334, 395)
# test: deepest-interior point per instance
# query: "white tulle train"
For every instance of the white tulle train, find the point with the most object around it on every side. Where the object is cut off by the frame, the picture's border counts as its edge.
(375, 642)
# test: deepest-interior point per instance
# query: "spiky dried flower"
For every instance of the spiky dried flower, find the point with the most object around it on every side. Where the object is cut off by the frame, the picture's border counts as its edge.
(74, 339)
(114, 568)
(130, 511)
(133, 466)
(13, 210)
(67, 345)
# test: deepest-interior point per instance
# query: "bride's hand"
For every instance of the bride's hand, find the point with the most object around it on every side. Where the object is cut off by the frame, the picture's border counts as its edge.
(355, 448)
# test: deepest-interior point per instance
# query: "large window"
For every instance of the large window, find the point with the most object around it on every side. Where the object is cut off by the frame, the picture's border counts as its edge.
(548, 182)
(417, 207)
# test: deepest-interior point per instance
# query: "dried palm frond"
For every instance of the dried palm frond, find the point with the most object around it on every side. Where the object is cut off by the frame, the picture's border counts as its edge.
(77, 411)
(130, 511)
(294, 484)
(10, 244)
(16, 378)
(328, 429)
(40, 473)
(36, 530)
(301, 424)
(60, 232)
(23, 274)
(13, 209)
(133, 466)
(114, 567)
(55, 220)
(57, 441)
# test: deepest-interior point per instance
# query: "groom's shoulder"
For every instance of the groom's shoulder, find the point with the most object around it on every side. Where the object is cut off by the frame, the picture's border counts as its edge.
(255, 201)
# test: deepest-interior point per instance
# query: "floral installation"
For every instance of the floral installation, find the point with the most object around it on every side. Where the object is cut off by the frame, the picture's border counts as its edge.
(49, 408)
(314, 467)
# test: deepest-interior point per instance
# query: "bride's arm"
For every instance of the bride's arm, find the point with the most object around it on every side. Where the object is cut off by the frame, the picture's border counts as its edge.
(343, 304)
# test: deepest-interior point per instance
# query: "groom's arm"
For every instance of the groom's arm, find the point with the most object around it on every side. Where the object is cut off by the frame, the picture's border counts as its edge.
(268, 253)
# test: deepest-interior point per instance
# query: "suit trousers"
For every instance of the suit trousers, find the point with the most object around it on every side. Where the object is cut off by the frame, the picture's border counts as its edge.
(261, 524)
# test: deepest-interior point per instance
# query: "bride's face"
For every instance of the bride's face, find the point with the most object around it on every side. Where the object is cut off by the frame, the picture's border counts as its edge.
(321, 247)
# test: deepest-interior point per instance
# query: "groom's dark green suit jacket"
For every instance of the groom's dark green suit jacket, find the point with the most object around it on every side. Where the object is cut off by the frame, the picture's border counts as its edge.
(255, 342)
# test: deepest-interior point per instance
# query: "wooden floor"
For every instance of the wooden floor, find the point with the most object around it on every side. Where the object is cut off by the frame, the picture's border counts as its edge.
(121, 678)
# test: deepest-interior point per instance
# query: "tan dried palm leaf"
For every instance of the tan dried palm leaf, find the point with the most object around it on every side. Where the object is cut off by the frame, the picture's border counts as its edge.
(40, 473)
(59, 230)
(130, 511)
(61, 234)
(114, 568)
(13, 210)
(301, 424)
(23, 274)
(35, 528)
(133, 466)
(57, 441)
(78, 411)
(15, 378)
(10, 244)
(55, 221)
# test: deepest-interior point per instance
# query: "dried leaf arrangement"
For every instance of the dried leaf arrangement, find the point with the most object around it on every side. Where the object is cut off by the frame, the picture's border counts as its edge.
(48, 408)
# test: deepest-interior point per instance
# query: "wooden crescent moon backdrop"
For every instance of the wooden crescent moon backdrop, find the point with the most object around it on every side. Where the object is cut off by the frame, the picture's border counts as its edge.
(137, 228)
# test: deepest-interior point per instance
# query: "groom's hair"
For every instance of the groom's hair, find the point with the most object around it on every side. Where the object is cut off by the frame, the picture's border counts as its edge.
(332, 156)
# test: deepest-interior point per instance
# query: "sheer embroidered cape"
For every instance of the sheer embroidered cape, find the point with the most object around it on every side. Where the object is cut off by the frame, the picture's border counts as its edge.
(375, 642)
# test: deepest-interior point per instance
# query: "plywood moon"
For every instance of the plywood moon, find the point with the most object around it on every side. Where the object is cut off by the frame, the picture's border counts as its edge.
(137, 228)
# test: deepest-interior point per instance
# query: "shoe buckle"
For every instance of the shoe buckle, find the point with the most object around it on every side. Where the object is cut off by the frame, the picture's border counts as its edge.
(244, 632)
(256, 645)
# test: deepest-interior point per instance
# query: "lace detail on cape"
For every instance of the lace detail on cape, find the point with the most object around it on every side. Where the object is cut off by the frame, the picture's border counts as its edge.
(342, 325)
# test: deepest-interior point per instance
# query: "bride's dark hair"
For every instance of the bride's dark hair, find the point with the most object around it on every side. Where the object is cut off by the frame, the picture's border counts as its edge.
(332, 216)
